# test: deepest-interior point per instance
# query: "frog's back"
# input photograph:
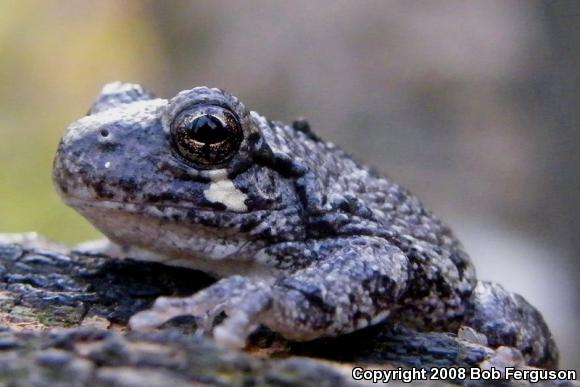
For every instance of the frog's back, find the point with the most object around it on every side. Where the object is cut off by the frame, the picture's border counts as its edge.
(348, 184)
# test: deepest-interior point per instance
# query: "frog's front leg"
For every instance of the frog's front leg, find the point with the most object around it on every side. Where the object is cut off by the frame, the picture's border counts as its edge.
(355, 282)
(235, 292)
(333, 287)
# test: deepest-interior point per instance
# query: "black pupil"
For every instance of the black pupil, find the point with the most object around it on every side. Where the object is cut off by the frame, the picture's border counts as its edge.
(208, 129)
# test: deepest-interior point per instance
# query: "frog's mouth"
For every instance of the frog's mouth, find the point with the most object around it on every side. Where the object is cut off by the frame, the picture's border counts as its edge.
(221, 225)
(160, 229)
(166, 211)
(195, 247)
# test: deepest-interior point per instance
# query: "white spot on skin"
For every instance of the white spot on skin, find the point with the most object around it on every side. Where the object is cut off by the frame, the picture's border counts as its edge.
(217, 174)
(380, 317)
(108, 165)
(225, 192)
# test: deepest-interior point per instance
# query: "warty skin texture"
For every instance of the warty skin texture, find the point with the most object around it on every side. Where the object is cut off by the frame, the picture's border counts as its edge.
(304, 239)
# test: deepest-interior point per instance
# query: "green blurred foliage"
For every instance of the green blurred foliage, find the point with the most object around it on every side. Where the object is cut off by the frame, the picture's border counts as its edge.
(49, 50)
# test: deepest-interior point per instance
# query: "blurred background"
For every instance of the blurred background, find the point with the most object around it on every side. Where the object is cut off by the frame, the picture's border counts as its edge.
(472, 105)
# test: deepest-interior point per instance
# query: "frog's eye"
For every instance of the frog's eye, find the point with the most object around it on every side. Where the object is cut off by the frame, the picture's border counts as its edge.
(206, 135)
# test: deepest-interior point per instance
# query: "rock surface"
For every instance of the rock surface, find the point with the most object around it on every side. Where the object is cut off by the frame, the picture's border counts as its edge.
(63, 322)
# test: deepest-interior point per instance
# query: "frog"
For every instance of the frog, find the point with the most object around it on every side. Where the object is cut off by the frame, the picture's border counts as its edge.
(301, 238)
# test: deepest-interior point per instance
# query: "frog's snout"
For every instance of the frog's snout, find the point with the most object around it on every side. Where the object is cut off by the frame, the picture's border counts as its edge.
(79, 158)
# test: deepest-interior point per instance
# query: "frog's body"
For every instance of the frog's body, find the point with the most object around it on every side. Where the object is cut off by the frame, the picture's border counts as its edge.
(307, 241)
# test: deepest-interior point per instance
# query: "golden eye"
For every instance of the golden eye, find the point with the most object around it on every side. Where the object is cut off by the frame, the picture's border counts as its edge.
(207, 135)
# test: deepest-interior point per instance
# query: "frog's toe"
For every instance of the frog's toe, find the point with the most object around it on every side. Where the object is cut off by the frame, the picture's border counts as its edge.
(235, 329)
(244, 316)
(228, 339)
(166, 308)
(147, 320)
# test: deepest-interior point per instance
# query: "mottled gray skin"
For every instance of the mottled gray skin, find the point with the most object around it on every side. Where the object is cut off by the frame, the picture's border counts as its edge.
(305, 240)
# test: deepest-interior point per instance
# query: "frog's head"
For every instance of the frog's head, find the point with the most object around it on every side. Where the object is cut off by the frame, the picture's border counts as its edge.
(176, 176)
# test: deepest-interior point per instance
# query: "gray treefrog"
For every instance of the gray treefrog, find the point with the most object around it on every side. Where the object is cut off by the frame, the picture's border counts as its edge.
(303, 239)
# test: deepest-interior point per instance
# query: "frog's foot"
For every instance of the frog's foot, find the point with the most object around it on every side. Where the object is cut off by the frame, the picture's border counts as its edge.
(242, 300)
(507, 319)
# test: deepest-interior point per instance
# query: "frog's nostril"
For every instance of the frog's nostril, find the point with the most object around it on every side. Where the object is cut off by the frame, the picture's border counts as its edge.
(104, 133)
